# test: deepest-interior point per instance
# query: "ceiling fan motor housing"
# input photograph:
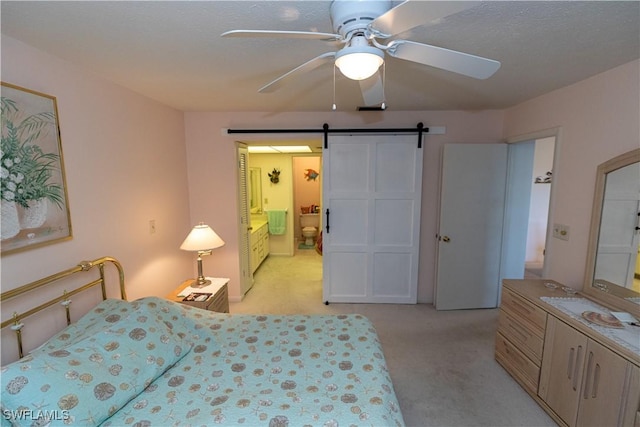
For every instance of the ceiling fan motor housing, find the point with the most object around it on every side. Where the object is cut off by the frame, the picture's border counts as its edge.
(348, 16)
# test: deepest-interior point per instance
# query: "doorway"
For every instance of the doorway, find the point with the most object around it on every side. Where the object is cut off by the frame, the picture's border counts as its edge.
(259, 194)
(488, 195)
(539, 207)
(528, 193)
(539, 225)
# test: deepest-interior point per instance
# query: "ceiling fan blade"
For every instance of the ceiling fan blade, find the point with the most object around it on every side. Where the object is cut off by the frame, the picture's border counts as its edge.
(307, 66)
(410, 14)
(283, 34)
(446, 59)
(372, 90)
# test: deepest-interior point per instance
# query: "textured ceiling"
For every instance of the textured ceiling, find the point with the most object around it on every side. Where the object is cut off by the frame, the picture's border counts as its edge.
(172, 51)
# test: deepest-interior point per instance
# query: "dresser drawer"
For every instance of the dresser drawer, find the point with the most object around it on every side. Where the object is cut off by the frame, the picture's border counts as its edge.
(521, 336)
(520, 308)
(220, 301)
(517, 364)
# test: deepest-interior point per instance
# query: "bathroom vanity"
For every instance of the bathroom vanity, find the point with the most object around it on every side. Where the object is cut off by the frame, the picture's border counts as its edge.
(259, 241)
(564, 348)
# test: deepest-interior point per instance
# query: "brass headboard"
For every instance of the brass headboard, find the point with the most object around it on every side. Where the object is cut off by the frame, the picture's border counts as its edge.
(16, 321)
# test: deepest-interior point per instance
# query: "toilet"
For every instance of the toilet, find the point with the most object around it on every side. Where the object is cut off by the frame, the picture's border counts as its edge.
(309, 223)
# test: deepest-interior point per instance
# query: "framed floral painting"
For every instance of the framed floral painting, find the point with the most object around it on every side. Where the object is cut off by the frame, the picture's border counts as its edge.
(35, 208)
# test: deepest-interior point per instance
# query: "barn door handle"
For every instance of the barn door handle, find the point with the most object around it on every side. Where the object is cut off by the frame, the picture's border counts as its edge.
(327, 213)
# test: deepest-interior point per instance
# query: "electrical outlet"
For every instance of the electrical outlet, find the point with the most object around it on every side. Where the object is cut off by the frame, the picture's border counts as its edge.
(152, 226)
(561, 231)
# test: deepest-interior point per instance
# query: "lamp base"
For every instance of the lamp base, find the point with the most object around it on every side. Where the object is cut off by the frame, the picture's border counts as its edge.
(200, 282)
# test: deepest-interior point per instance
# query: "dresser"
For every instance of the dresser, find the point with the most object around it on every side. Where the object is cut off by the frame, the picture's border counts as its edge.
(580, 375)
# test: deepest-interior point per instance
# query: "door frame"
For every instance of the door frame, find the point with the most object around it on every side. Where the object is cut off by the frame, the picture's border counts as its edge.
(532, 136)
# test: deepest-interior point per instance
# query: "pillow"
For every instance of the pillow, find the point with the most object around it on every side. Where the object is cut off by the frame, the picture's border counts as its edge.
(85, 383)
(101, 317)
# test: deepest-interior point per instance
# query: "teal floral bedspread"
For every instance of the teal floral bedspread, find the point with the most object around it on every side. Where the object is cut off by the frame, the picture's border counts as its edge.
(152, 362)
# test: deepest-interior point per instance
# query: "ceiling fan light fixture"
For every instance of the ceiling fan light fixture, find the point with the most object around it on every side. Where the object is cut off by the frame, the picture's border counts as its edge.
(359, 62)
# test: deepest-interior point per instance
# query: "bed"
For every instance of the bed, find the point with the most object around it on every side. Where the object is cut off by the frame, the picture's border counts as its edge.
(155, 362)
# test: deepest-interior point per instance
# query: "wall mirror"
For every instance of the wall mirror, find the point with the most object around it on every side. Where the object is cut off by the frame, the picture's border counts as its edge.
(255, 191)
(613, 267)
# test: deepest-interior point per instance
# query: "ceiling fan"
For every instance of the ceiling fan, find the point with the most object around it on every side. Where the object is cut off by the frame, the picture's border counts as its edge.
(362, 26)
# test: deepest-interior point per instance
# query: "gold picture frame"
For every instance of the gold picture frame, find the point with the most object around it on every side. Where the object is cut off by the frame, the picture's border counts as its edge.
(33, 190)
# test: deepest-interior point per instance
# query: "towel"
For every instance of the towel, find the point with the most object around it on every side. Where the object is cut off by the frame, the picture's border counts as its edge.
(277, 221)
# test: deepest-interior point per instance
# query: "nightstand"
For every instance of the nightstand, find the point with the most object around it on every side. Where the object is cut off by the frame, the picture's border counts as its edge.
(218, 301)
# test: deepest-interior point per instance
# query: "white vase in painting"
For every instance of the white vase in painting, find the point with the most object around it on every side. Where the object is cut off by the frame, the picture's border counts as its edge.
(10, 224)
(33, 216)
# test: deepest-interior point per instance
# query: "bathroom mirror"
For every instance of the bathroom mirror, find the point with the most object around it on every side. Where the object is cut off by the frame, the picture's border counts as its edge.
(255, 191)
(612, 273)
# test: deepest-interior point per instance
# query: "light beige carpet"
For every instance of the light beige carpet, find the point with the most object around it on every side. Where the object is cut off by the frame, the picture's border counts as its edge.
(441, 362)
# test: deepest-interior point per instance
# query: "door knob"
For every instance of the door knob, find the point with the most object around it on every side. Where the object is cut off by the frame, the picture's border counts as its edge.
(446, 239)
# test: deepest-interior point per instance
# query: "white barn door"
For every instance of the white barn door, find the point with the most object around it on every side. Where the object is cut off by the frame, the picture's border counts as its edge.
(372, 190)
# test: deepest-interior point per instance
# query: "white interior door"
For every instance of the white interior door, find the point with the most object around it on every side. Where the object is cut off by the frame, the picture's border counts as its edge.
(372, 191)
(471, 226)
(244, 232)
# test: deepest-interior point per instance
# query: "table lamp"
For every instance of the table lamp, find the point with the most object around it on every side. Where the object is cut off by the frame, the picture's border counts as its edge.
(203, 240)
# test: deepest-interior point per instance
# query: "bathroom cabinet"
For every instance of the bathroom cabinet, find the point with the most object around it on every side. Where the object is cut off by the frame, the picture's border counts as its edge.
(579, 376)
(259, 245)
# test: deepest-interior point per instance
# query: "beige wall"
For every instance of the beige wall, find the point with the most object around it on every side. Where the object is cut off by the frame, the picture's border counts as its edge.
(598, 118)
(125, 164)
(211, 156)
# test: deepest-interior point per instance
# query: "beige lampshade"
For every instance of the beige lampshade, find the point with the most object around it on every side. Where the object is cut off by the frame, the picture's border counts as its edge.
(201, 238)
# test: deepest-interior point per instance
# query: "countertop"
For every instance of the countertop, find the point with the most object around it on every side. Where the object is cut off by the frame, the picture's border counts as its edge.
(256, 224)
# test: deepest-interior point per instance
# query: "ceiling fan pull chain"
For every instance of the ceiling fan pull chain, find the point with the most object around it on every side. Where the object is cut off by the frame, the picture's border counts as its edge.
(384, 80)
(333, 107)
